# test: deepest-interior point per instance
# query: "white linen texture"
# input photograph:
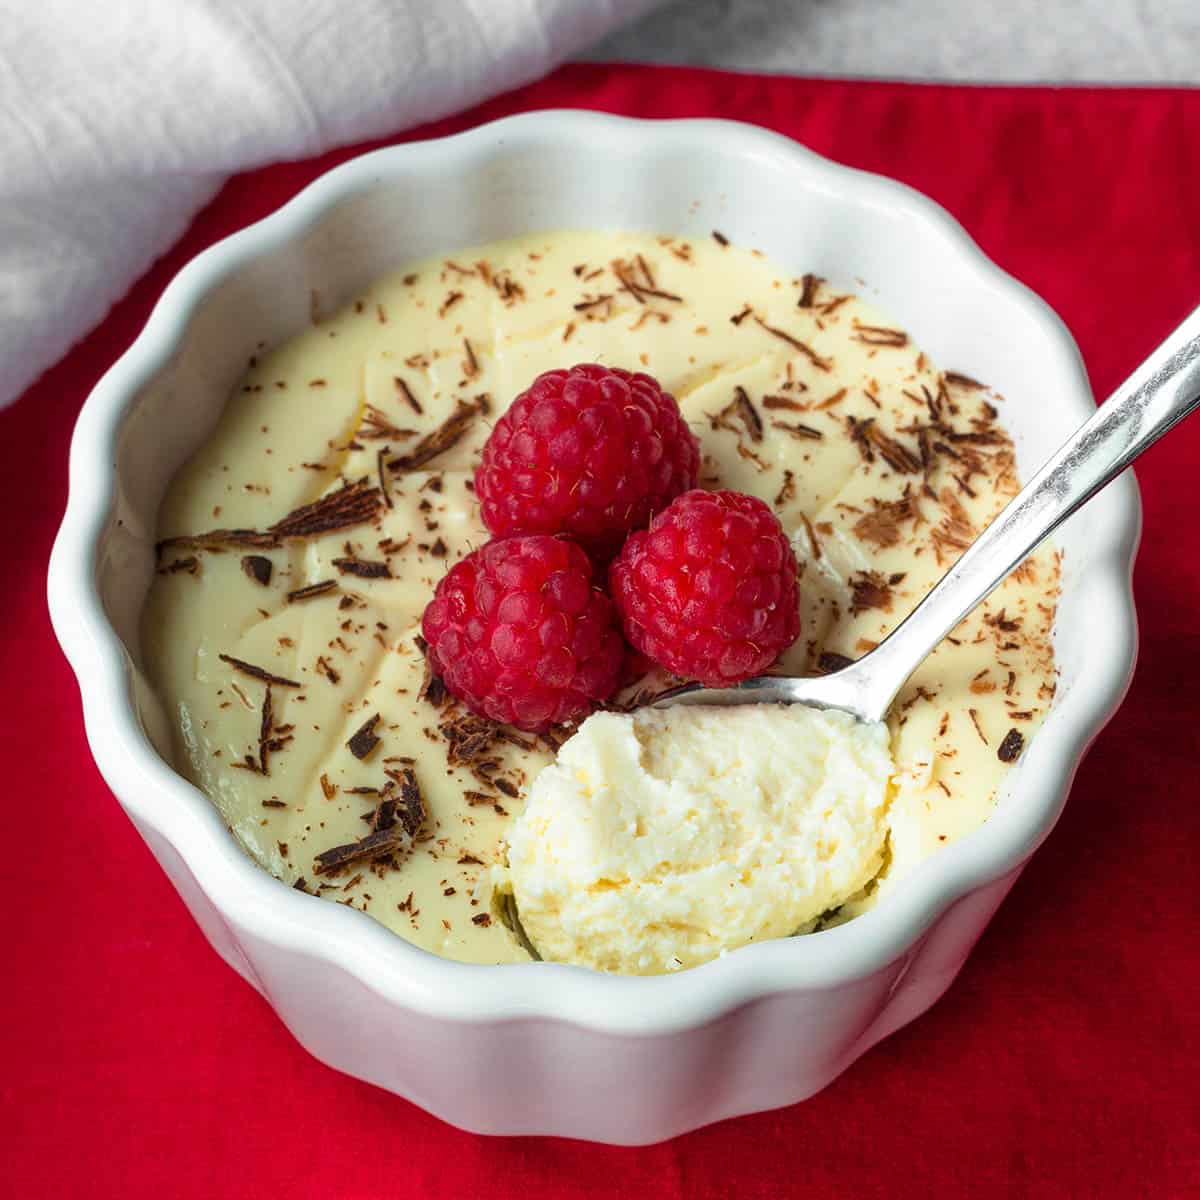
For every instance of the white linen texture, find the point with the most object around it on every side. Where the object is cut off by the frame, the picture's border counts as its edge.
(118, 122)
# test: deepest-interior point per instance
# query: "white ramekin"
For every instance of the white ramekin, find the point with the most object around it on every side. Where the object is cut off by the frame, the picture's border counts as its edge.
(543, 1048)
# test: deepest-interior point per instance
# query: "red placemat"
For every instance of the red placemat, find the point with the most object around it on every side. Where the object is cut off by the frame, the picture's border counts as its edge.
(1062, 1062)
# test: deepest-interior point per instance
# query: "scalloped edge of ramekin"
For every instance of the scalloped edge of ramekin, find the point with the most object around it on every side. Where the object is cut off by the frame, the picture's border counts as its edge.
(379, 960)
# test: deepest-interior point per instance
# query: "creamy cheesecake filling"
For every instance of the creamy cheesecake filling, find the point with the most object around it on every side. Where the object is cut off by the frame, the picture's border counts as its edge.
(881, 469)
(661, 839)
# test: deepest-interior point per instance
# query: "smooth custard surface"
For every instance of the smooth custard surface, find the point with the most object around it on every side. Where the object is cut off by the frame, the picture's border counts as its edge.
(880, 467)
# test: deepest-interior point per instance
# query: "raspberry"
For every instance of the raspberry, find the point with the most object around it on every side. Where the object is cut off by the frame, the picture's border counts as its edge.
(709, 590)
(520, 633)
(592, 452)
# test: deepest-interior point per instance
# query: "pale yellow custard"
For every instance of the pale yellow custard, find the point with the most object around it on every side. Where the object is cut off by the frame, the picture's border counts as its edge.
(880, 467)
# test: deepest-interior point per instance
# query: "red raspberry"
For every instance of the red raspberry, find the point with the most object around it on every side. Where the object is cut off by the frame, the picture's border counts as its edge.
(592, 452)
(519, 631)
(709, 590)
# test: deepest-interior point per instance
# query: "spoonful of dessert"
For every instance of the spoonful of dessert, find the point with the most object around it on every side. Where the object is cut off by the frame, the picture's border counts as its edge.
(1156, 397)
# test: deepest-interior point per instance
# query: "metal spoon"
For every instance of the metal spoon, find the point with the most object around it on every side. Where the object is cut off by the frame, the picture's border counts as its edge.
(1156, 397)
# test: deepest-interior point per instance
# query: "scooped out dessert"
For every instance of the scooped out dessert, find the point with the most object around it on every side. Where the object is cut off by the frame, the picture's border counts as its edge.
(660, 840)
(346, 492)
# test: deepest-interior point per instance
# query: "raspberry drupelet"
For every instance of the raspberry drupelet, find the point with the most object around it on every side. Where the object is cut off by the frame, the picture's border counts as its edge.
(592, 452)
(519, 632)
(709, 591)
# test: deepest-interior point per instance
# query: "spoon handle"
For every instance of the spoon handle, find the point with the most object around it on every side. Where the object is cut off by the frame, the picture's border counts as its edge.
(1158, 395)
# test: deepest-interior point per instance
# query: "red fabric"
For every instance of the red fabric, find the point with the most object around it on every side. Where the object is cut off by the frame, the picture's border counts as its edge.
(1062, 1063)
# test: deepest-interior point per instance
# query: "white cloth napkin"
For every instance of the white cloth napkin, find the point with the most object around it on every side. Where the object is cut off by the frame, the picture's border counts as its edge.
(119, 120)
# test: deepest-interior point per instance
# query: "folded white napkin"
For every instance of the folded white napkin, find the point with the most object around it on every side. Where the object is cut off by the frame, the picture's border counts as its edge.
(118, 121)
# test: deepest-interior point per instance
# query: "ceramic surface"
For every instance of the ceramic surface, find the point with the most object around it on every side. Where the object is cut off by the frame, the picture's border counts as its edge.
(543, 1048)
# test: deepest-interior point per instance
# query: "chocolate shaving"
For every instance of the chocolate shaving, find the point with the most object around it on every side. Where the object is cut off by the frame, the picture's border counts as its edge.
(745, 452)
(784, 402)
(394, 824)
(979, 437)
(433, 687)
(896, 455)
(407, 393)
(409, 810)
(364, 739)
(271, 737)
(796, 430)
(452, 298)
(858, 435)
(787, 490)
(1010, 749)
(822, 364)
(352, 504)
(312, 591)
(964, 381)
(882, 524)
(375, 427)
(954, 531)
(975, 721)
(258, 568)
(832, 399)
(829, 662)
(382, 843)
(220, 539)
(470, 363)
(507, 287)
(448, 434)
(876, 335)
(326, 669)
(552, 739)
(381, 475)
(470, 738)
(265, 727)
(584, 305)
(870, 589)
(257, 672)
(191, 565)
(720, 238)
(626, 283)
(362, 567)
(658, 293)
(921, 693)
(471, 742)
(812, 535)
(742, 409)
(809, 292)
(869, 438)
(1003, 621)
(739, 317)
